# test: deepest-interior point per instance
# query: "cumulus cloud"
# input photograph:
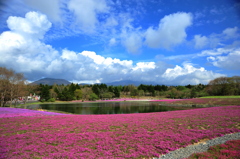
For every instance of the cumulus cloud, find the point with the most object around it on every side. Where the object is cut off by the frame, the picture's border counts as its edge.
(22, 49)
(189, 74)
(34, 24)
(143, 66)
(170, 32)
(21, 46)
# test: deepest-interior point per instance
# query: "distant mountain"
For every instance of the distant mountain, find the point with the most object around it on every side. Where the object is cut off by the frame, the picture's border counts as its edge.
(129, 82)
(124, 83)
(51, 81)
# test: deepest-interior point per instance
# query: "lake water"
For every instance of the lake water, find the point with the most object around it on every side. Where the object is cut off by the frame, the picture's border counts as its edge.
(106, 107)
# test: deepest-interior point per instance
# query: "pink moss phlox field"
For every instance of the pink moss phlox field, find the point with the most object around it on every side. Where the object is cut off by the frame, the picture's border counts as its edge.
(14, 112)
(167, 100)
(113, 136)
(120, 100)
(228, 150)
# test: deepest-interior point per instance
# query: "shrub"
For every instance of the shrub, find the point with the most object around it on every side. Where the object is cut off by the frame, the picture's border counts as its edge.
(51, 100)
(42, 100)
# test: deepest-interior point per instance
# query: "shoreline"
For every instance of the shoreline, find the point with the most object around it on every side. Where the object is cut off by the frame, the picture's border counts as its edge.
(113, 100)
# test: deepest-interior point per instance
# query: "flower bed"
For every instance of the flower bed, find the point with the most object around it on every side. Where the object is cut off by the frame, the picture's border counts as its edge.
(112, 136)
(229, 150)
(14, 112)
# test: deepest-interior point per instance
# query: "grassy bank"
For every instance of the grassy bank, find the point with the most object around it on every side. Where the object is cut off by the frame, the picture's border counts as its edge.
(221, 97)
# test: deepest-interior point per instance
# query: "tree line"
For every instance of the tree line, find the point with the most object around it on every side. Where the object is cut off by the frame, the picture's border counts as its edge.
(13, 86)
(218, 86)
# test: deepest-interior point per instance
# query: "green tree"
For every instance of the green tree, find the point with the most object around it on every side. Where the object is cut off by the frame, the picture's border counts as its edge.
(44, 92)
(141, 93)
(116, 91)
(224, 86)
(66, 95)
(193, 93)
(93, 97)
(134, 92)
(71, 89)
(86, 91)
(181, 88)
(78, 94)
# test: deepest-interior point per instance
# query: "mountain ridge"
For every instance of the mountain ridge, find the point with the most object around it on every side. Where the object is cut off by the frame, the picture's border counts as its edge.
(129, 82)
(51, 81)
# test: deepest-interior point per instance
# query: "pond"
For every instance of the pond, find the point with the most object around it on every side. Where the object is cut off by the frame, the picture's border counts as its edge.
(106, 107)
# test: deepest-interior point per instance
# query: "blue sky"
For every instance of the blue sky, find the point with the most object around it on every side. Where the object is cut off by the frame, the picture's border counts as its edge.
(175, 42)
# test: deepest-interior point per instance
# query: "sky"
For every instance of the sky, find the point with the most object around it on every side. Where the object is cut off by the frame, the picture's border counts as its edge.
(171, 42)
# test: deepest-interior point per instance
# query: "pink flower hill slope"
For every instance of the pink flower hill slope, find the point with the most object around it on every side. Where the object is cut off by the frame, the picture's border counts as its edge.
(144, 135)
(14, 112)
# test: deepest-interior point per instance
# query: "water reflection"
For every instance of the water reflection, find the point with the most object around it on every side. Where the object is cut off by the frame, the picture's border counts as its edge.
(106, 107)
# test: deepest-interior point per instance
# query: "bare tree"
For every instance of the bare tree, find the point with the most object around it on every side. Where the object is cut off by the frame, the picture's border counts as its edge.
(11, 86)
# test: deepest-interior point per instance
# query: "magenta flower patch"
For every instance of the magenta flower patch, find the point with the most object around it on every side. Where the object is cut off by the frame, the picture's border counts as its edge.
(14, 112)
(111, 136)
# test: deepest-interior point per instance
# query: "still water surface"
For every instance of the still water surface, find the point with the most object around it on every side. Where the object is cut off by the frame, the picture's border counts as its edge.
(106, 107)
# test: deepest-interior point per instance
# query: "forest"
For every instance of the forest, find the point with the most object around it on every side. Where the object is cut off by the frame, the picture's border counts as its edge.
(13, 86)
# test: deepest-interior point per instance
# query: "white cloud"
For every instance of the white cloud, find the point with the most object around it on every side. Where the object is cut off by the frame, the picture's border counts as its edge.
(21, 47)
(167, 35)
(143, 66)
(187, 68)
(214, 52)
(34, 24)
(112, 41)
(231, 61)
(87, 12)
(50, 8)
(132, 42)
(188, 74)
(200, 41)
(211, 58)
(170, 32)
(92, 55)
(69, 55)
(230, 33)
(214, 40)
(99, 60)
(111, 21)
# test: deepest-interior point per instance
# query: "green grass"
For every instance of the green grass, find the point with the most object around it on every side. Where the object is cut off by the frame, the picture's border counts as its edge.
(221, 97)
